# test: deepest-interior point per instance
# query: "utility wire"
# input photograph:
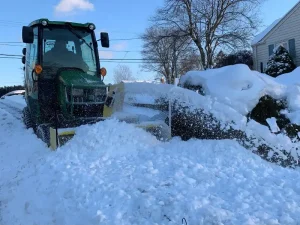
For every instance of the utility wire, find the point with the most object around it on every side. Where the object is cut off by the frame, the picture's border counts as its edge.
(10, 42)
(10, 55)
(119, 51)
(101, 61)
(116, 60)
(11, 45)
(6, 57)
(113, 39)
(10, 21)
(126, 39)
(119, 39)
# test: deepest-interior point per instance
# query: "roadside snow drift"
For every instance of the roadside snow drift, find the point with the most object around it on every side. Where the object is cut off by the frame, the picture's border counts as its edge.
(292, 78)
(230, 95)
(236, 86)
(240, 88)
(231, 92)
(114, 173)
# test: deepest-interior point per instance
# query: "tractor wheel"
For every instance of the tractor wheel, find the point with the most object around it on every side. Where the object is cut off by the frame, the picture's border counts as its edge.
(27, 118)
(43, 133)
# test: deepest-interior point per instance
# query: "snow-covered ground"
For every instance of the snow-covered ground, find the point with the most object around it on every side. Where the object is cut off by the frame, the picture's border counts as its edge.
(114, 173)
(16, 101)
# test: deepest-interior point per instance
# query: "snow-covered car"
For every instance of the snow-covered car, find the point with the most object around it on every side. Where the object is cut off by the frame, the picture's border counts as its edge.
(16, 92)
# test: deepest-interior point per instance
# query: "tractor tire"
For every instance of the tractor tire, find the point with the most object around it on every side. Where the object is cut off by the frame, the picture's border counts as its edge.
(27, 118)
(43, 133)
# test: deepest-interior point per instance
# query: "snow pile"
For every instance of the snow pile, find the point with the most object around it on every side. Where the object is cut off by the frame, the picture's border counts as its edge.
(292, 82)
(114, 173)
(137, 93)
(236, 86)
(292, 78)
(231, 93)
(240, 88)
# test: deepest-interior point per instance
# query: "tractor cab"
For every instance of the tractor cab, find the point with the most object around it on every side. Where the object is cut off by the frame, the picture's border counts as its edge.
(64, 83)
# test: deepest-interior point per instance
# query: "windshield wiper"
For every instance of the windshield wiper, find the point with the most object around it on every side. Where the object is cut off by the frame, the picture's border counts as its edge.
(78, 36)
(81, 38)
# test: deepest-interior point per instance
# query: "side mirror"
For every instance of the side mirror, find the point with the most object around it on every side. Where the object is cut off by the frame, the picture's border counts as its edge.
(104, 40)
(23, 59)
(24, 51)
(27, 35)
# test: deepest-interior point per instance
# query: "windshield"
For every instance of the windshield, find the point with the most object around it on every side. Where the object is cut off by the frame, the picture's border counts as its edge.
(69, 47)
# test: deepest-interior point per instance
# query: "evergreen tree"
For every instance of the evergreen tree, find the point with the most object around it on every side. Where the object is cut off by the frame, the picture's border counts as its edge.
(240, 57)
(280, 62)
(244, 57)
(220, 59)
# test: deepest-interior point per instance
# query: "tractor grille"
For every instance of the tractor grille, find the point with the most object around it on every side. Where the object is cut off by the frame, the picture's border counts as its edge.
(86, 102)
(88, 110)
(86, 96)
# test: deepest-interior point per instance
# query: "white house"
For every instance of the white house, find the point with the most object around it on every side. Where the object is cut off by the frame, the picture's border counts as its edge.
(284, 31)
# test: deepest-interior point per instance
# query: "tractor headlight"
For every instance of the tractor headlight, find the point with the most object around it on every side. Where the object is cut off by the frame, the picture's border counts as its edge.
(44, 23)
(77, 92)
(92, 27)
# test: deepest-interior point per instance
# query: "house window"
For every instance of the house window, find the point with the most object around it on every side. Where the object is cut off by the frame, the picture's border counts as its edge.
(284, 44)
(261, 67)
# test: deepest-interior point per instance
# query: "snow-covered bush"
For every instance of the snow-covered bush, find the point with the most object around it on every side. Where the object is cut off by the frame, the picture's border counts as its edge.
(280, 62)
(258, 111)
(268, 107)
(263, 110)
(199, 124)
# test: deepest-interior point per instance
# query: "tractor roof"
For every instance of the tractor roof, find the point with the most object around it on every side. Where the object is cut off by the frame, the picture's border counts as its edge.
(39, 21)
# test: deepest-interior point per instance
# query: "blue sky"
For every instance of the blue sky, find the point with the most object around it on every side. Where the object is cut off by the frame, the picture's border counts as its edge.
(122, 19)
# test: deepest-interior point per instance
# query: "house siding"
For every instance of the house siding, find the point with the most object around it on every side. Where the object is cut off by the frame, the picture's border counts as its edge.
(287, 29)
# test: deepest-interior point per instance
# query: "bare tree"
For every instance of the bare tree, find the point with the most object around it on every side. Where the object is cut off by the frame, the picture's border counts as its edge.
(167, 53)
(123, 72)
(211, 24)
(190, 61)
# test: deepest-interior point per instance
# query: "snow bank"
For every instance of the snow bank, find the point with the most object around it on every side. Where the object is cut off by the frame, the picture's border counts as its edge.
(143, 93)
(230, 95)
(240, 88)
(236, 86)
(292, 82)
(114, 173)
(292, 78)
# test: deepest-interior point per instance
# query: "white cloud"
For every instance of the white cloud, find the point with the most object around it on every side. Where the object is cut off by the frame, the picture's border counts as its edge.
(119, 46)
(105, 55)
(66, 6)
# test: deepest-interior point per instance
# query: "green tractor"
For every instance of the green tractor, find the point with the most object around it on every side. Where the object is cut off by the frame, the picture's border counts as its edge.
(64, 85)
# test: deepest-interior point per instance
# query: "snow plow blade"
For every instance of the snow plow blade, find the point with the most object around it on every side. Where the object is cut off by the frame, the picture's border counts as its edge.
(63, 136)
(159, 129)
(114, 104)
